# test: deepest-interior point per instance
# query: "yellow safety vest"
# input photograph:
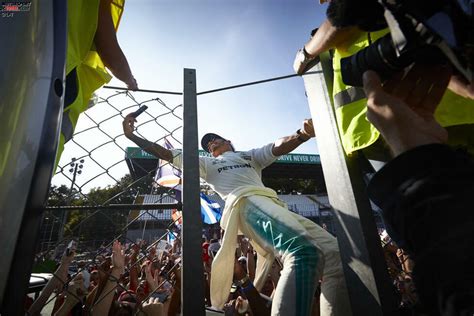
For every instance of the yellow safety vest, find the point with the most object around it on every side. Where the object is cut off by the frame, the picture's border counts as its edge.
(350, 103)
(82, 57)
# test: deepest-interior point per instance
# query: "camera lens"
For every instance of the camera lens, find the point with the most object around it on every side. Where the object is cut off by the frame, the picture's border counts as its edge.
(380, 57)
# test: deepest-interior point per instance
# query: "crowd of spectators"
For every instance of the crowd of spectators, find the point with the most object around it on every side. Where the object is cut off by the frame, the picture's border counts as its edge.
(121, 279)
(144, 279)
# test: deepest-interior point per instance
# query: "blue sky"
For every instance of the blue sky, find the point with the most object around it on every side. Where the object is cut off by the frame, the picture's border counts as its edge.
(228, 43)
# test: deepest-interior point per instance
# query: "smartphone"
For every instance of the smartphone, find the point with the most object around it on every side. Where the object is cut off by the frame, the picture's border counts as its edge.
(139, 111)
(70, 247)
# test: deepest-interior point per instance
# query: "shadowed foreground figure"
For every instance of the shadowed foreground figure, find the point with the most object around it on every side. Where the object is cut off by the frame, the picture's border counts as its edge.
(424, 181)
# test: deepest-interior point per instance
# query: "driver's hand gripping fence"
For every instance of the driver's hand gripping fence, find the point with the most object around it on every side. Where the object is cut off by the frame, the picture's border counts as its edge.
(109, 192)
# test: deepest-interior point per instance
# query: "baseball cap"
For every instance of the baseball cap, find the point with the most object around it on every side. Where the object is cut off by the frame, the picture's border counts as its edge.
(207, 138)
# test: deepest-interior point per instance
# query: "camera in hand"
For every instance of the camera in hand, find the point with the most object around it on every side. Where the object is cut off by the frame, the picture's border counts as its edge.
(71, 247)
(425, 32)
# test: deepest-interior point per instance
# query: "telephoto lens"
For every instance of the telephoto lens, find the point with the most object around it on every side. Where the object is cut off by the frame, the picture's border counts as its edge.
(380, 57)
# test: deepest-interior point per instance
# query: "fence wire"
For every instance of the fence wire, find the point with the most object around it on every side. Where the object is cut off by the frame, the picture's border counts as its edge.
(97, 198)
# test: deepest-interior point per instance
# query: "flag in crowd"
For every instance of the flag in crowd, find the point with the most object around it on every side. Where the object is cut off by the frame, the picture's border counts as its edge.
(177, 217)
(169, 176)
(210, 210)
(171, 237)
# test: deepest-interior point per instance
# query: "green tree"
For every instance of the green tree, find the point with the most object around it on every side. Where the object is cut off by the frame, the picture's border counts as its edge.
(103, 225)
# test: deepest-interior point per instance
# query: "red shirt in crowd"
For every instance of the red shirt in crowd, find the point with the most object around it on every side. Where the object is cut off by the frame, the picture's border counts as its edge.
(205, 255)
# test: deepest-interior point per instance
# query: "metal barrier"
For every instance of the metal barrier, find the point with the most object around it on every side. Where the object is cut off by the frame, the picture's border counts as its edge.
(368, 283)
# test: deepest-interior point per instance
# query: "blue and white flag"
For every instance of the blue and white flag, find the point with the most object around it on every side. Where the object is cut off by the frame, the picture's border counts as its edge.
(169, 176)
(210, 211)
(171, 237)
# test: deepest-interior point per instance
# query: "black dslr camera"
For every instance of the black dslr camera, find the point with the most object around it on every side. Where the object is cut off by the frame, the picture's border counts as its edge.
(421, 31)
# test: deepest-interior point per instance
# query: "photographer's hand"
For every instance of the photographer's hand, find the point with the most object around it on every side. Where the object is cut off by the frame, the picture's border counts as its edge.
(402, 110)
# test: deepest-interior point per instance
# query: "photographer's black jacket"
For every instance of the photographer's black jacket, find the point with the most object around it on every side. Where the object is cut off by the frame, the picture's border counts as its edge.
(427, 197)
(368, 15)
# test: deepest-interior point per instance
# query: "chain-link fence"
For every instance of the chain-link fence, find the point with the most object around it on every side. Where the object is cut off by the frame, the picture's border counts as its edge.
(98, 197)
(99, 167)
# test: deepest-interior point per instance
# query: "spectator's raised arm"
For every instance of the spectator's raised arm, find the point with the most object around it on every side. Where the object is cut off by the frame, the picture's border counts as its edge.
(74, 294)
(156, 150)
(109, 48)
(107, 294)
(152, 280)
(57, 282)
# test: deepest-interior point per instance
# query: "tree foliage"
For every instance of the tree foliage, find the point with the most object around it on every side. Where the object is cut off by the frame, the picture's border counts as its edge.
(88, 225)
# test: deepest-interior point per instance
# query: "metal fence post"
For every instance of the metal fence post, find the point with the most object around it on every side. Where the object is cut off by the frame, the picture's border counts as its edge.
(192, 290)
(365, 270)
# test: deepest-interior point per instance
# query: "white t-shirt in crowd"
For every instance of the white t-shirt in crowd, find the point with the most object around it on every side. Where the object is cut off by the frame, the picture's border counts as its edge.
(86, 277)
(232, 169)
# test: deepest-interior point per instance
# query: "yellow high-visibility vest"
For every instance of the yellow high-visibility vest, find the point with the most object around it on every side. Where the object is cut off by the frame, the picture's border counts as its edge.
(82, 57)
(350, 103)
